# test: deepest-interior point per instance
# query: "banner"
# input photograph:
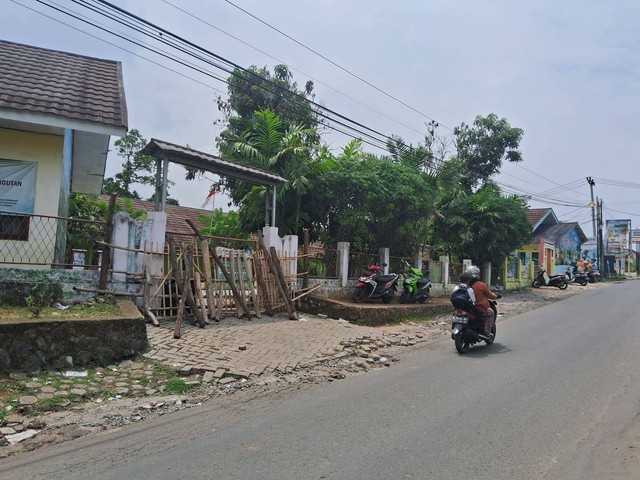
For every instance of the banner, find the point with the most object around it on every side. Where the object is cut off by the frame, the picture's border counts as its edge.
(617, 237)
(635, 235)
(17, 186)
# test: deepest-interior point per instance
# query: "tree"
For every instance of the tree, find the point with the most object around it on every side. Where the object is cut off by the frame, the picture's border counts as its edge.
(373, 202)
(483, 147)
(137, 168)
(267, 145)
(257, 89)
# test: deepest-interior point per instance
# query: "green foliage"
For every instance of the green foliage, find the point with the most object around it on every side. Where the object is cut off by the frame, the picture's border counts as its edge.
(137, 168)
(222, 224)
(177, 386)
(483, 146)
(483, 226)
(43, 294)
(373, 202)
(287, 152)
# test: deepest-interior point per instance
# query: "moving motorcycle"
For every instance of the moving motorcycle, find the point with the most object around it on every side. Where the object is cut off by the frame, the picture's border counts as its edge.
(415, 286)
(373, 285)
(559, 281)
(467, 329)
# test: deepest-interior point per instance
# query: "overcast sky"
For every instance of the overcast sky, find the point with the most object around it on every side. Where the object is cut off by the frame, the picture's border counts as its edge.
(566, 72)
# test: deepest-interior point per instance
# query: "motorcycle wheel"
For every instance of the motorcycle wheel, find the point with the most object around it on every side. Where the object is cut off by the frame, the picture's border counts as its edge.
(387, 299)
(461, 345)
(493, 335)
(404, 296)
(358, 294)
(536, 284)
(424, 299)
(582, 282)
(563, 285)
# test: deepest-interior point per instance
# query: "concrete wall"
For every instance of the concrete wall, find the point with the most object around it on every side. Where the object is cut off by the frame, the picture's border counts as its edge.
(46, 151)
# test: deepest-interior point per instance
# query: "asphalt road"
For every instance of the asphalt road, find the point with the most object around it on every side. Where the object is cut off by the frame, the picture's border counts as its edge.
(555, 397)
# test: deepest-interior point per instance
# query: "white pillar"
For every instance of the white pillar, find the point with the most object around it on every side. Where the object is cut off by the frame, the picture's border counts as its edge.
(444, 262)
(417, 260)
(343, 263)
(486, 277)
(271, 238)
(383, 255)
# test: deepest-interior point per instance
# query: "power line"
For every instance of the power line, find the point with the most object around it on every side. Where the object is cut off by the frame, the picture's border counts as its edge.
(335, 64)
(162, 39)
(291, 67)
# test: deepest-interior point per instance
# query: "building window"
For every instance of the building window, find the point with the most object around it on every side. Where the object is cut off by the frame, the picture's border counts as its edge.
(14, 227)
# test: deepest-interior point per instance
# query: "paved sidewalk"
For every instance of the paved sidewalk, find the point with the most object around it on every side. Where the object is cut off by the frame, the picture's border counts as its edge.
(260, 346)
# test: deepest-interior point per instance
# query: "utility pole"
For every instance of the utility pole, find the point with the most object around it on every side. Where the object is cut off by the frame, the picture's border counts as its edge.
(600, 239)
(591, 183)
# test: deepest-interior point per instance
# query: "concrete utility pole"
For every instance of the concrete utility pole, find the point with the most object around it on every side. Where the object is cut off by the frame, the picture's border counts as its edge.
(591, 183)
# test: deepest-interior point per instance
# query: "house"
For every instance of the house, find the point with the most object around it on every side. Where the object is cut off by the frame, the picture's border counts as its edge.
(177, 215)
(554, 245)
(58, 111)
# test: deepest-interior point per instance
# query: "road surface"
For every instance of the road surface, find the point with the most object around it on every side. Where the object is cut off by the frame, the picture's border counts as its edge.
(555, 397)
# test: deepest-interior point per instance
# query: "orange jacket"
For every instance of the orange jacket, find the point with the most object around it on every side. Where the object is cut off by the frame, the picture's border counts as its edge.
(483, 294)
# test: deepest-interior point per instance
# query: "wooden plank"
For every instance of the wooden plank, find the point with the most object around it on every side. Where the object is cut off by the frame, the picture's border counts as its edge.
(208, 280)
(179, 279)
(262, 286)
(191, 299)
(252, 286)
(283, 280)
(106, 251)
(146, 298)
(200, 297)
(181, 307)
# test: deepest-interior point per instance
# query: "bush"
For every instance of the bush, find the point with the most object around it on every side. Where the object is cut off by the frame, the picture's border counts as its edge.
(43, 294)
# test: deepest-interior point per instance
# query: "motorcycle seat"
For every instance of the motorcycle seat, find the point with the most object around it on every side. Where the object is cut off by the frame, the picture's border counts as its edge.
(386, 278)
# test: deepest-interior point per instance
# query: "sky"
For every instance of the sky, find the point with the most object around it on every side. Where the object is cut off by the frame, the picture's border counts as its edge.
(567, 73)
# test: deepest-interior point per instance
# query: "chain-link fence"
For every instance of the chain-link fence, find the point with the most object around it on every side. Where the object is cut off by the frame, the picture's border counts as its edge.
(46, 240)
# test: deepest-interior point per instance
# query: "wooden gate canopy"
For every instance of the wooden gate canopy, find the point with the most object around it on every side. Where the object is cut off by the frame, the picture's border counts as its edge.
(166, 152)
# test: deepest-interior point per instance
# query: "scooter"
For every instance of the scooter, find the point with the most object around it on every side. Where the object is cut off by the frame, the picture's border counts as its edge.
(576, 277)
(467, 329)
(373, 285)
(559, 281)
(594, 276)
(415, 286)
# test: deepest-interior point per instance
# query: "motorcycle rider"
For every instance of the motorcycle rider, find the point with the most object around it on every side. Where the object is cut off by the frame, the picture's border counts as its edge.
(483, 294)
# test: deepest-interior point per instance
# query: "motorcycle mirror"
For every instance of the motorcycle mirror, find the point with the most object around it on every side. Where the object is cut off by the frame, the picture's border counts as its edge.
(384, 264)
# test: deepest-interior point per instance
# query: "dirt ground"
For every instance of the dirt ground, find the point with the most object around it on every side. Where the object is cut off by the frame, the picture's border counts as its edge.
(64, 424)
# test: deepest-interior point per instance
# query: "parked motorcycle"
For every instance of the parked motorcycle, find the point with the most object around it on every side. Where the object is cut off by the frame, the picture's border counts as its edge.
(467, 329)
(576, 277)
(415, 286)
(594, 276)
(559, 281)
(372, 285)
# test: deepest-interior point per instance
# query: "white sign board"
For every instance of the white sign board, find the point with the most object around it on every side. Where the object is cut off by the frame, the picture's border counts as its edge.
(17, 186)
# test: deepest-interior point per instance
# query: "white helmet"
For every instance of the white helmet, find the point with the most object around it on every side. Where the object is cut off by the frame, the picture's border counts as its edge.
(473, 271)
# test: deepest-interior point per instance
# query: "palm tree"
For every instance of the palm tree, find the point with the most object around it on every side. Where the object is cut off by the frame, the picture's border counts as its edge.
(290, 153)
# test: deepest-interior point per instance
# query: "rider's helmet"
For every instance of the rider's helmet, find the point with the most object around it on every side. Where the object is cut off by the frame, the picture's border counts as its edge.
(473, 271)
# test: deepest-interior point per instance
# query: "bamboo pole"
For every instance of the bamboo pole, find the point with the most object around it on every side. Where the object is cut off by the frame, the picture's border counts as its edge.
(106, 252)
(208, 279)
(274, 272)
(224, 271)
(181, 307)
(177, 274)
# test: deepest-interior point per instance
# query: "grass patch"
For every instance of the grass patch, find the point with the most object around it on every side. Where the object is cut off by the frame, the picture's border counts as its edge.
(95, 310)
(177, 386)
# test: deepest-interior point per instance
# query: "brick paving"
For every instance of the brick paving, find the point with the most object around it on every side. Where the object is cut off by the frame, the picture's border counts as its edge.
(260, 346)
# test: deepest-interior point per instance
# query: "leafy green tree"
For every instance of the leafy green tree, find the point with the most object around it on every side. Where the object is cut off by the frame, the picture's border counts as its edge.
(137, 168)
(483, 146)
(373, 202)
(220, 224)
(269, 146)
(258, 89)
(484, 226)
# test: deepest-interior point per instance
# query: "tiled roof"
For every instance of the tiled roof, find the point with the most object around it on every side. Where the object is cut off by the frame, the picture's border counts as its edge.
(61, 84)
(537, 216)
(555, 233)
(176, 214)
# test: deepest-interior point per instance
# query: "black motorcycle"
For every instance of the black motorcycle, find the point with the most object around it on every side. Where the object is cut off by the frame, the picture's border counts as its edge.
(576, 277)
(594, 276)
(372, 285)
(559, 281)
(467, 329)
